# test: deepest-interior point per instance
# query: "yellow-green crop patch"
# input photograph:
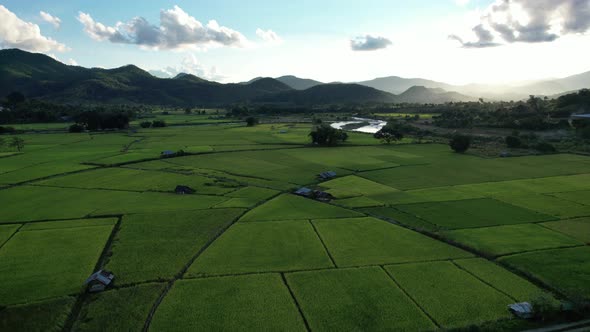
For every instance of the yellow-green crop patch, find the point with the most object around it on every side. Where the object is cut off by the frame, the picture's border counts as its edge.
(576, 228)
(516, 287)
(400, 217)
(157, 246)
(37, 226)
(567, 270)
(263, 247)
(252, 302)
(27, 203)
(369, 241)
(472, 213)
(582, 197)
(453, 297)
(547, 204)
(511, 239)
(136, 180)
(41, 264)
(363, 299)
(291, 207)
(48, 315)
(124, 309)
(356, 186)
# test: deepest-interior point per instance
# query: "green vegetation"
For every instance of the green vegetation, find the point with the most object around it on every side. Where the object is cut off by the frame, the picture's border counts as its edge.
(500, 278)
(368, 241)
(157, 246)
(124, 309)
(567, 270)
(355, 300)
(460, 143)
(576, 228)
(40, 264)
(291, 207)
(253, 302)
(452, 297)
(472, 213)
(510, 239)
(6, 232)
(48, 315)
(263, 247)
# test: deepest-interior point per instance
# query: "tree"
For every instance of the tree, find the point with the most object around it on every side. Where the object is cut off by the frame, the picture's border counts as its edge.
(145, 124)
(17, 143)
(14, 98)
(188, 111)
(326, 135)
(460, 143)
(158, 124)
(388, 137)
(76, 128)
(513, 142)
(545, 147)
(251, 121)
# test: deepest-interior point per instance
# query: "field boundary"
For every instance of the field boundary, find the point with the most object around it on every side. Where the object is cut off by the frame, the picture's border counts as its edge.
(11, 235)
(410, 297)
(483, 281)
(307, 327)
(323, 243)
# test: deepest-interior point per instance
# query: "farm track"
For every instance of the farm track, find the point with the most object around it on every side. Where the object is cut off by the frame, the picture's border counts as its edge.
(179, 276)
(83, 296)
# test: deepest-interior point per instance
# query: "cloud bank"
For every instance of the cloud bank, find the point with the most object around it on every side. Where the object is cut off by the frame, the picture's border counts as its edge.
(529, 21)
(177, 30)
(16, 33)
(268, 36)
(55, 21)
(369, 43)
(189, 65)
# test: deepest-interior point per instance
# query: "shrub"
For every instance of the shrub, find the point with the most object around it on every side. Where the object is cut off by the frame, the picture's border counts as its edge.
(545, 307)
(251, 121)
(460, 143)
(145, 124)
(158, 124)
(7, 130)
(545, 147)
(326, 135)
(513, 142)
(76, 128)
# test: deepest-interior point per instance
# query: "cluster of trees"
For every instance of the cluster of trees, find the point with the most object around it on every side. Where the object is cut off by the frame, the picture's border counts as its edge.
(325, 135)
(395, 130)
(534, 114)
(14, 142)
(529, 141)
(153, 124)
(96, 120)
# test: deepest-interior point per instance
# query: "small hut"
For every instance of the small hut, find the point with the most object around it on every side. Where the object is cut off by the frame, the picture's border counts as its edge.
(184, 190)
(99, 281)
(327, 175)
(521, 310)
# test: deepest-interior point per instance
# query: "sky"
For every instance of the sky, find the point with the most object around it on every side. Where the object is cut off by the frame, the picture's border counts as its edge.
(454, 41)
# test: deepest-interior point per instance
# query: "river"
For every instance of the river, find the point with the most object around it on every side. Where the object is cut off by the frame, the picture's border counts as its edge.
(373, 127)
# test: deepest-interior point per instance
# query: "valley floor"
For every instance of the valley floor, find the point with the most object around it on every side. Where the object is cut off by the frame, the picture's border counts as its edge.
(417, 238)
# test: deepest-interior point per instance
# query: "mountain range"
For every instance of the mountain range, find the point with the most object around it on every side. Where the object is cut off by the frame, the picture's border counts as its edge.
(40, 76)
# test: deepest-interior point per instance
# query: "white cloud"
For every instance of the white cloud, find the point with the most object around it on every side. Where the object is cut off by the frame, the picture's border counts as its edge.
(177, 30)
(369, 43)
(529, 21)
(268, 36)
(189, 65)
(53, 20)
(462, 2)
(72, 62)
(16, 33)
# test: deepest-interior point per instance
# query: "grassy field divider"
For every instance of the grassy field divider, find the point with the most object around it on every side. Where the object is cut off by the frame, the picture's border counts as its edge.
(485, 282)
(410, 297)
(11, 236)
(540, 250)
(295, 302)
(323, 243)
(185, 268)
(47, 177)
(83, 296)
(527, 276)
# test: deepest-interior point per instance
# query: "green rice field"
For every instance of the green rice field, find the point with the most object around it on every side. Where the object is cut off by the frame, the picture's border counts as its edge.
(416, 237)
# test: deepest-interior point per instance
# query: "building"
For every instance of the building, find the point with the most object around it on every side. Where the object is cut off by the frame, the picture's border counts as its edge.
(305, 192)
(99, 281)
(167, 153)
(521, 310)
(184, 190)
(327, 175)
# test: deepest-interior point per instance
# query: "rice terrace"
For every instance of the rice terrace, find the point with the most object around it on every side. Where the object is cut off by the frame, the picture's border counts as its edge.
(166, 196)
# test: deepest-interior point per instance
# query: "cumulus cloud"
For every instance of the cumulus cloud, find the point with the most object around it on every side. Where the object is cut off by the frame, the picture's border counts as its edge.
(529, 21)
(268, 36)
(53, 20)
(189, 65)
(369, 43)
(462, 2)
(16, 33)
(177, 30)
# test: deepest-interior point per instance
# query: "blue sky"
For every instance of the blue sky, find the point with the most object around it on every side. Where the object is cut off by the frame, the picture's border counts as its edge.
(313, 38)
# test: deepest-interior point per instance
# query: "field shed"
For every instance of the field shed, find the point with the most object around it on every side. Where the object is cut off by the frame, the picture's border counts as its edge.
(305, 192)
(184, 190)
(323, 196)
(521, 310)
(167, 153)
(99, 281)
(327, 175)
